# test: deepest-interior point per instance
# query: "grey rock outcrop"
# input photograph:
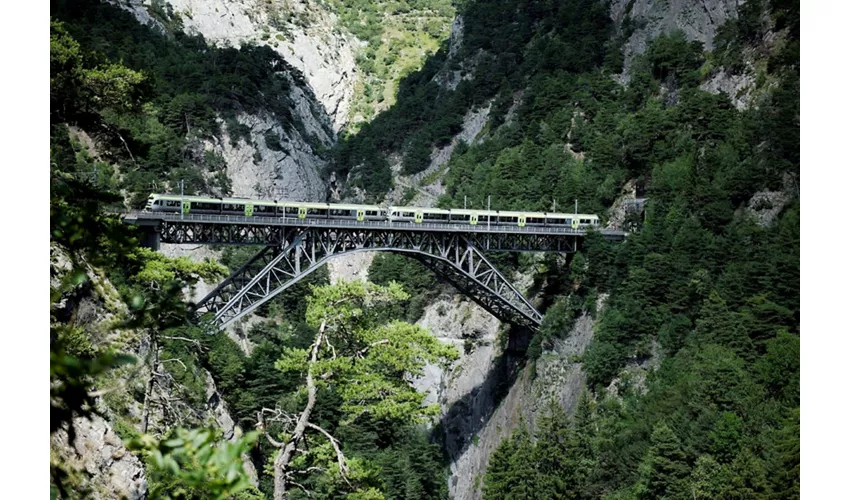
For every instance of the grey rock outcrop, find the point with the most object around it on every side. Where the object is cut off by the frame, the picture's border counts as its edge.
(258, 171)
(737, 86)
(429, 182)
(110, 470)
(140, 12)
(698, 19)
(478, 416)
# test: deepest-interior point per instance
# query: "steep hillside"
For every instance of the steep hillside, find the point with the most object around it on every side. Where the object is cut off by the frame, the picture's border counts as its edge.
(690, 107)
(223, 120)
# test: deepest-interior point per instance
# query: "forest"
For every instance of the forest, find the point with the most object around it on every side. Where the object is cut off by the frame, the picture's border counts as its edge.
(699, 286)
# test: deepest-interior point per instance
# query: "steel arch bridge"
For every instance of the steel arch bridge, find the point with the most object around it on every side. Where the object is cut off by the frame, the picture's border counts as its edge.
(294, 248)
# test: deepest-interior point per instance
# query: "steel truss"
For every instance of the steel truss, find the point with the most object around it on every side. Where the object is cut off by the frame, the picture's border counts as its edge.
(453, 256)
(275, 235)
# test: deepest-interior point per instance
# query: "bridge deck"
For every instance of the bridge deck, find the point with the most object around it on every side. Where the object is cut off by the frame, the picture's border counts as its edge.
(154, 219)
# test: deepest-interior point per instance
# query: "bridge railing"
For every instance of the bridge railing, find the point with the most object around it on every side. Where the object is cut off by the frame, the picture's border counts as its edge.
(367, 224)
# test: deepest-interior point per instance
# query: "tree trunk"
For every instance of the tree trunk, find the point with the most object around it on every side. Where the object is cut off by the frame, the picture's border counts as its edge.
(149, 389)
(285, 456)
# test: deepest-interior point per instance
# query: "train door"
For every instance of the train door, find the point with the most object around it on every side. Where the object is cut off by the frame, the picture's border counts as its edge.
(361, 214)
(249, 210)
(574, 223)
(417, 217)
(187, 205)
(473, 219)
(302, 212)
(521, 221)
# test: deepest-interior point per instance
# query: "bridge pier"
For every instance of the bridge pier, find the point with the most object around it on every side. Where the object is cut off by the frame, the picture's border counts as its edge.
(150, 238)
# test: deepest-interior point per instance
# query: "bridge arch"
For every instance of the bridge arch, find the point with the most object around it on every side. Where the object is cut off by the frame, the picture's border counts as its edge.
(454, 259)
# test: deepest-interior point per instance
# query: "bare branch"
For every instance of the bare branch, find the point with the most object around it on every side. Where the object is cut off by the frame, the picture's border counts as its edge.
(177, 360)
(184, 339)
(261, 426)
(363, 351)
(285, 456)
(339, 456)
(309, 495)
(328, 342)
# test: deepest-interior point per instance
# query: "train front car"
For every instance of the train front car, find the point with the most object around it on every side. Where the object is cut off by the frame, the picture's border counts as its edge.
(163, 203)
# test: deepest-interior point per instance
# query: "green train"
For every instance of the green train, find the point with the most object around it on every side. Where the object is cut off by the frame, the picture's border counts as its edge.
(415, 215)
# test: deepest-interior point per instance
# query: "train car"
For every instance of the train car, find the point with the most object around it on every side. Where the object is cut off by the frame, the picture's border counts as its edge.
(212, 206)
(584, 221)
(357, 212)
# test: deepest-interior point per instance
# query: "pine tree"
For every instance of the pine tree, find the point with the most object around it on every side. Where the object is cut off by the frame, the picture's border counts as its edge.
(556, 455)
(664, 468)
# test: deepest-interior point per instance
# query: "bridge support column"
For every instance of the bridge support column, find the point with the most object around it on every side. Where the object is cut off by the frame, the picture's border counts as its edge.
(150, 238)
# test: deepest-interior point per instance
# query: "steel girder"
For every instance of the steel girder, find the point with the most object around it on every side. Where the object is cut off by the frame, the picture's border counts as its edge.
(453, 256)
(274, 235)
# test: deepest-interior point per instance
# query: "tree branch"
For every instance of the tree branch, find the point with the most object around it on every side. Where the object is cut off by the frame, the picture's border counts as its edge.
(185, 339)
(339, 456)
(175, 359)
(285, 456)
(363, 351)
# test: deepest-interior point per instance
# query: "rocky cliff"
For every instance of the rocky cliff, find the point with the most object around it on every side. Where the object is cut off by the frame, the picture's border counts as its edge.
(302, 31)
(100, 462)
(698, 19)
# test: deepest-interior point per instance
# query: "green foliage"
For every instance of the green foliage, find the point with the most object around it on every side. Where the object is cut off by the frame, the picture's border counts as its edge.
(158, 269)
(196, 464)
(371, 362)
(419, 283)
(663, 471)
(717, 293)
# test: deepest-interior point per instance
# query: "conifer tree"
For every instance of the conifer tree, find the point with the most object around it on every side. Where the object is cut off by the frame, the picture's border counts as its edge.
(664, 469)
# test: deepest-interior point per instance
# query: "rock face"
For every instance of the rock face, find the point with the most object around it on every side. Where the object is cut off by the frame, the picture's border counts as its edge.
(428, 183)
(140, 12)
(698, 19)
(478, 413)
(350, 267)
(98, 454)
(289, 172)
(113, 472)
(737, 87)
(302, 31)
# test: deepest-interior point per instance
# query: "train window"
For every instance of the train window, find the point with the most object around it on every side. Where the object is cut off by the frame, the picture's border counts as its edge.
(459, 217)
(407, 214)
(291, 210)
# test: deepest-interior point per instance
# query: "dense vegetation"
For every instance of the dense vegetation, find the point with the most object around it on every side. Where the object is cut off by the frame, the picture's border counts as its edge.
(701, 285)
